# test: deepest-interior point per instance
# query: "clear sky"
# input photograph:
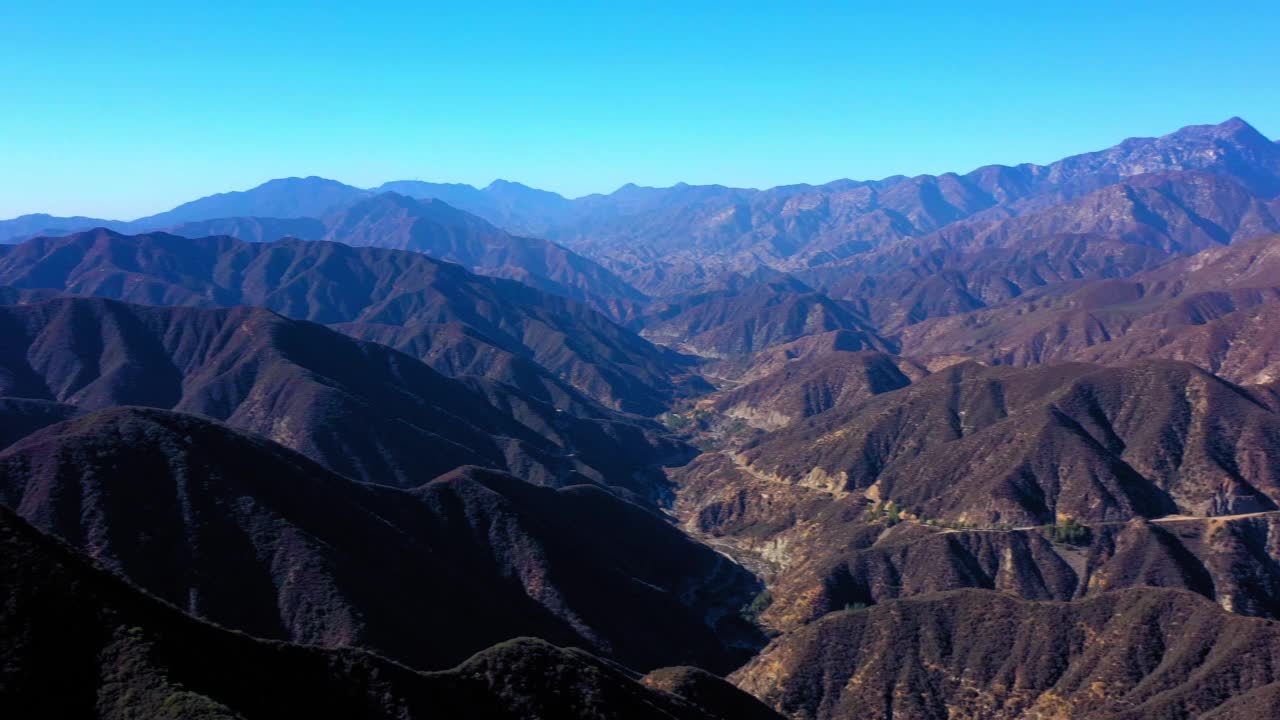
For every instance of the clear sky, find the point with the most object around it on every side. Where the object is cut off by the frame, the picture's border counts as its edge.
(120, 109)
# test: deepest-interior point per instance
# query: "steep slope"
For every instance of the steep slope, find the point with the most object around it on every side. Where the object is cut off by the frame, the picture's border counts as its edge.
(80, 643)
(747, 316)
(250, 535)
(981, 262)
(400, 298)
(19, 417)
(1240, 346)
(995, 445)
(1134, 654)
(429, 226)
(814, 383)
(924, 488)
(1172, 211)
(1233, 561)
(362, 409)
(318, 209)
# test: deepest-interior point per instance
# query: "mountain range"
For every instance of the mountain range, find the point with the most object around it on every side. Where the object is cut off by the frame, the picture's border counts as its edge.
(1001, 444)
(671, 230)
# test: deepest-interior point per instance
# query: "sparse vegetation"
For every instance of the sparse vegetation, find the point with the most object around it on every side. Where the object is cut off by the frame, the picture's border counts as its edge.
(675, 421)
(889, 512)
(1069, 531)
(761, 602)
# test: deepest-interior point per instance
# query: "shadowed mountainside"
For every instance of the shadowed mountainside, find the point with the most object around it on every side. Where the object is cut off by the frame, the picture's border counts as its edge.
(250, 535)
(319, 209)
(80, 643)
(949, 281)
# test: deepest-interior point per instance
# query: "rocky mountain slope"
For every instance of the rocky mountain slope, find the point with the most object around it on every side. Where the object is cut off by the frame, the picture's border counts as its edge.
(1001, 445)
(1233, 561)
(814, 382)
(1055, 482)
(747, 316)
(1132, 654)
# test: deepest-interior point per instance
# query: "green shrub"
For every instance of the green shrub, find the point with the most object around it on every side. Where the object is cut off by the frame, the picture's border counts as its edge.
(892, 513)
(761, 602)
(1070, 531)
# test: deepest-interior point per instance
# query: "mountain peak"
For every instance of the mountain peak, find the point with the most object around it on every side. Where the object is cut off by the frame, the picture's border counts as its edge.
(1234, 128)
(308, 181)
(1238, 128)
(499, 184)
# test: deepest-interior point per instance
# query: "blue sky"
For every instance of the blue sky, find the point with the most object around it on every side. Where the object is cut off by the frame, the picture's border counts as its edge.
(122, 109)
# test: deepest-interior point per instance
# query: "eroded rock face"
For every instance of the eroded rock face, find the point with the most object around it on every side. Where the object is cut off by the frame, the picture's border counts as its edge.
(1233, 562)
(997, 455)
(821, 552)
(1138, 653)
(812, 384)
(1023, 447)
